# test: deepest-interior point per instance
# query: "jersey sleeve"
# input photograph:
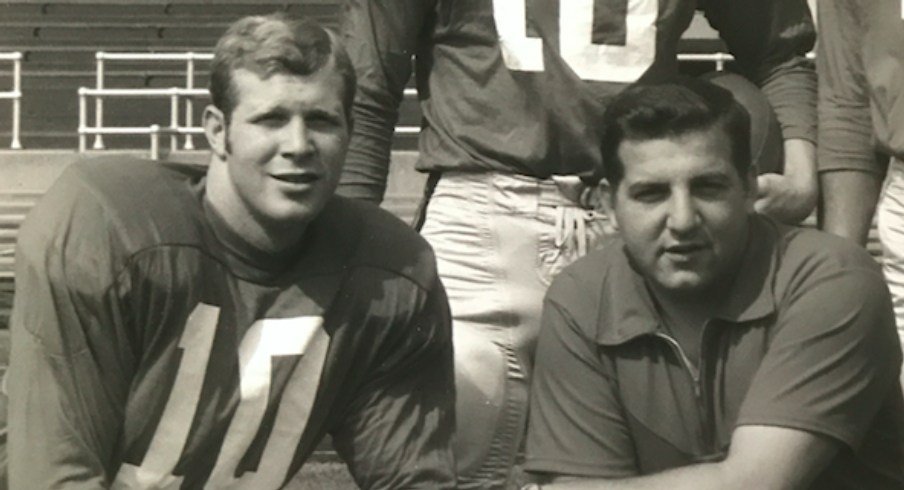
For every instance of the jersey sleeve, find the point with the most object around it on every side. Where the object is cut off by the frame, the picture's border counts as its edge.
(769, 40)
(398, 431)
(833, 361)
(577, 425)
(845, 126)
(67, 390)
(381, 37)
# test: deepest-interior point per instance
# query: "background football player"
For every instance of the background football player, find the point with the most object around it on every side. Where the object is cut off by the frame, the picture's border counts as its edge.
(861, 111)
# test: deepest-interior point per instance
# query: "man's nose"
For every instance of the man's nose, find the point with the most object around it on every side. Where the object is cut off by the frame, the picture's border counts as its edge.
(296, 139)
(683, 216)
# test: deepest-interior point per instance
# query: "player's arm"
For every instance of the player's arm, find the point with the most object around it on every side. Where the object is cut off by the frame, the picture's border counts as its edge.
(65, 405)
(850, 175)
(381, 38)
(763, 457)
(770, 40)
(398, 431)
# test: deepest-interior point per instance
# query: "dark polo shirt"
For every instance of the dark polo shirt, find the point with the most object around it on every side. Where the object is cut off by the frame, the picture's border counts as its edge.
(806, 340)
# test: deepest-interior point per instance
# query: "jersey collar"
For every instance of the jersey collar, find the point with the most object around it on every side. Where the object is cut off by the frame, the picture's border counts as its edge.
(318, 253)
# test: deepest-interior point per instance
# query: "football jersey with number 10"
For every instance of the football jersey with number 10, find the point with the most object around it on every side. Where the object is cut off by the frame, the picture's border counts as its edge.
(153, 348)
(519, 86)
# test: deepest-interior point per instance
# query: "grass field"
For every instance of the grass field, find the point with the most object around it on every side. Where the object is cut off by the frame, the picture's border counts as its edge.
(323, 476)
(334, 476)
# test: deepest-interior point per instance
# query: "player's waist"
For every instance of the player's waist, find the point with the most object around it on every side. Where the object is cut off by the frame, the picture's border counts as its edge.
(557, 190)
(534, 158)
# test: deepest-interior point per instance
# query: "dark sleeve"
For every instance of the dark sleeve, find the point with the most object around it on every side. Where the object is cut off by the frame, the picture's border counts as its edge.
(398, 431)
(577, 425)
(770, 39)
(845, 126)
(381, 37)
(834, 359)
(67, 391)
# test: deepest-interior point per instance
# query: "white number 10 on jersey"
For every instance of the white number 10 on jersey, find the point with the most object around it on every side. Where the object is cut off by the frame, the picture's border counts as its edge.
(266, 338)
(598, 62)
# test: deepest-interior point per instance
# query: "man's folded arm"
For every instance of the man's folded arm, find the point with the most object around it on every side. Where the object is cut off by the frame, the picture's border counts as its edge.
(763, 457)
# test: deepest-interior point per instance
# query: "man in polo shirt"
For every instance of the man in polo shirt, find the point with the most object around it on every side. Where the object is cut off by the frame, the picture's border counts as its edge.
(711, 347)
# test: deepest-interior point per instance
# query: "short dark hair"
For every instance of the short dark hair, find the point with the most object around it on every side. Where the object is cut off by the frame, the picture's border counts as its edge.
(680, 106)
(275, 43)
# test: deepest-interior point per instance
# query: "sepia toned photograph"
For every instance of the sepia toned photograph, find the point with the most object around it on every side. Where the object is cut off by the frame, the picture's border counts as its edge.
(452, 244)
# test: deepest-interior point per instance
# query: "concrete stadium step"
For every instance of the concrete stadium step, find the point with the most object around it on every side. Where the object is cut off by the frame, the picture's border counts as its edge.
(8, 239)
(7, 266)
(12, 221)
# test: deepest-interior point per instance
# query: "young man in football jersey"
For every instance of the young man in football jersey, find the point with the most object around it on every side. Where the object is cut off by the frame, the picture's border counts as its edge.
(710, 347)
(511, 93)
(176, 328)
(861, 110)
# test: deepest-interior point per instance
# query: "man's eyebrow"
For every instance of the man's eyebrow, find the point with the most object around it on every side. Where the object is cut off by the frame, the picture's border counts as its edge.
(267, 110)
(323, 112)
(712, 175)
(647, 183)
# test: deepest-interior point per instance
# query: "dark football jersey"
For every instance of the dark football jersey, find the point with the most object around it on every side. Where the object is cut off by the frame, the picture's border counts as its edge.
(861, 83)
(519, 86)
(153, 348)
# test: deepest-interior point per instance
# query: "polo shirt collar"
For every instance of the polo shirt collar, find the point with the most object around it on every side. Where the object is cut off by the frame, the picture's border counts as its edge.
(628, 311)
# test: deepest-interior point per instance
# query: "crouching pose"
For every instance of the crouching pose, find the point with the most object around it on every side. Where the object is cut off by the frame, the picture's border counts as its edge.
(176, 327)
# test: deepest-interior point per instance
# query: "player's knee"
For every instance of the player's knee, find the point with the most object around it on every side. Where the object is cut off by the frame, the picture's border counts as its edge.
(480, 365)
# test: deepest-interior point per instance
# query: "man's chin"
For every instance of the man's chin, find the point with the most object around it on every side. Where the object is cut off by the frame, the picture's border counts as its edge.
(684, 284)
(291, 215)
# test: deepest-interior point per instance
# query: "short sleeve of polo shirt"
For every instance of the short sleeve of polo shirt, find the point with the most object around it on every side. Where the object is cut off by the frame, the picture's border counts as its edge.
(577, 425)
(833, 360)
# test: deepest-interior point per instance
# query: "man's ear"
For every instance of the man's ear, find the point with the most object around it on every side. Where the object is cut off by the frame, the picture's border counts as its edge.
(607, 199)
(215, 131)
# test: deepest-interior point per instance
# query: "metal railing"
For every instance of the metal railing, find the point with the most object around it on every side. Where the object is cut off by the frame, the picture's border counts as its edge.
(175, 94)
(14, 95)
(189, 92)
(154, 131)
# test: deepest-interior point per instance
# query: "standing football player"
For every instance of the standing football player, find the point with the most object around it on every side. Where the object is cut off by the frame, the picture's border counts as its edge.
(176, 328)
(861, 111)
(512, 92)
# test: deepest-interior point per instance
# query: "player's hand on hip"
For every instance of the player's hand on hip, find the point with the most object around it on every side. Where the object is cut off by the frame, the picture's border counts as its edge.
(784, 198)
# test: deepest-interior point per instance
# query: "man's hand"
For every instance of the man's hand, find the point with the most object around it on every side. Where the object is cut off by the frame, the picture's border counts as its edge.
(790, 197)
(784, 199)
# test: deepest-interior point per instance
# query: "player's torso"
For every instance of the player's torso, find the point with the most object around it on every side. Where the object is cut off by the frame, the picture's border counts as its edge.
(883, 61)
(520, 85)
(235, 383)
